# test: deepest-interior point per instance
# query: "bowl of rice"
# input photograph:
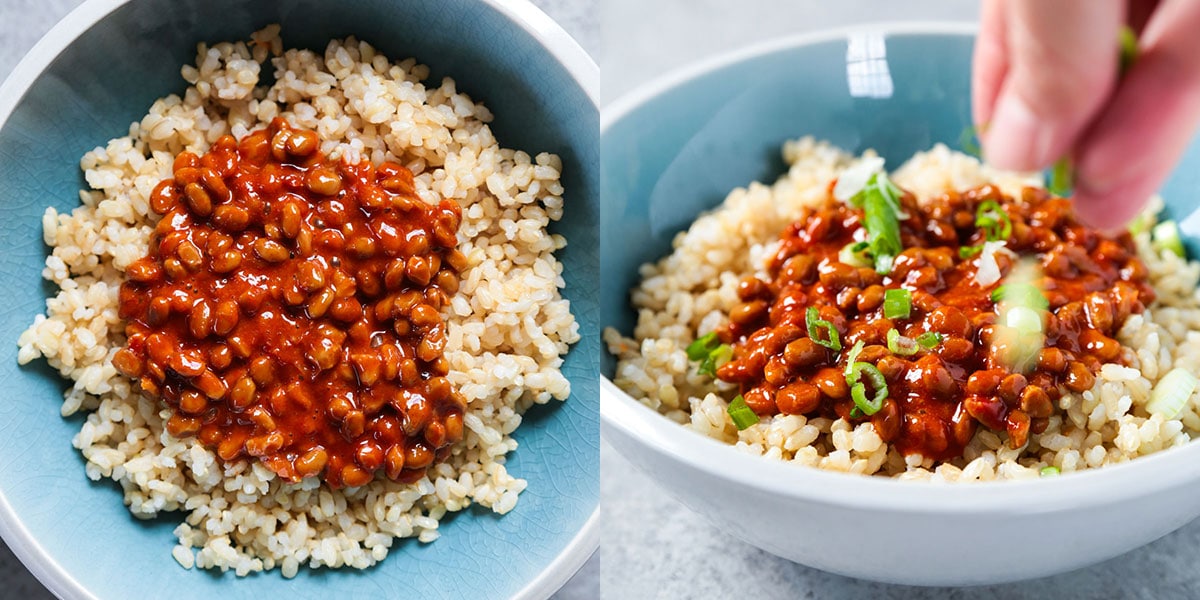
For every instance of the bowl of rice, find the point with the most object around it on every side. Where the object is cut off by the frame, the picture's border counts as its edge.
(484, 106)
(715, 176)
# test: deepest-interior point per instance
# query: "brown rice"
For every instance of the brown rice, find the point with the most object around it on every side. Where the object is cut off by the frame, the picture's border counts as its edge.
(508, 330)
(690, 291)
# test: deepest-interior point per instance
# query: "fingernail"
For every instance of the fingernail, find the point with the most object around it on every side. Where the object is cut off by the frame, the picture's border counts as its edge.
(1016, 138)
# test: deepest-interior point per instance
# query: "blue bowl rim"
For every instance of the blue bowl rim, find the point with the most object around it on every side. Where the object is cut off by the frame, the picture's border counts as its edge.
(623, 417)
(522, 13)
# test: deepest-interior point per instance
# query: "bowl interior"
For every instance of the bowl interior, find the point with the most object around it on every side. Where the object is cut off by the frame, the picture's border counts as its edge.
(679, 150)
(107, 78)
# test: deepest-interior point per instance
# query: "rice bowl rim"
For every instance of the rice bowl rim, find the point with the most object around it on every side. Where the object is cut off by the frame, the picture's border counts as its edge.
(522, 13)
(621, 414)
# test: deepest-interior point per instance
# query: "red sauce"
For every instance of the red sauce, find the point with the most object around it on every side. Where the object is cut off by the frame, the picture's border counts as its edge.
(938, 397)
(288, 310)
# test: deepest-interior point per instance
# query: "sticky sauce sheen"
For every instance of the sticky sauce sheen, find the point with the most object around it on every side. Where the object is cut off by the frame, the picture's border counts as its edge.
(288, 310)
(937, 398)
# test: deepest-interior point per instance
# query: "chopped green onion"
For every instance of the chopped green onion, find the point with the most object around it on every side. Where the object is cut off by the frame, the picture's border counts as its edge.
(897, 303)
(709, 352)
(858, 391)
(1020, 305)
(1049, 471)
(855, 413)
(880, 201)
(815, 323)
(966, 252)
(1061, 178)
(968, 140)
(1022, 294)
(993, 220)
(1141, 223)
(852, 356)
(715, 360)
(855, 254)
(1165, 236)
(1172, 393)
(703, 346)
(1023, 319)
(1129, 49)
(741, 414)
(929, 339)
(900, 345)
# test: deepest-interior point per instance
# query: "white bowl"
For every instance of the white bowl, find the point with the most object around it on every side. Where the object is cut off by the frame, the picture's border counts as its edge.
(909, 532)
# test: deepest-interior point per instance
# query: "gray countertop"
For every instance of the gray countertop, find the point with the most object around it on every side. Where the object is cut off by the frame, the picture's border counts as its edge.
(654, 547)
(23, 22)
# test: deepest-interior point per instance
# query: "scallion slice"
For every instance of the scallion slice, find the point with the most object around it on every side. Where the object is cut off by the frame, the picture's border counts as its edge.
(880, 201)
(968, 140)
(816, 324)
(1141, 223)
(852, 356)
(900, 345)
(929, 340)
(897, 303)
(1050, 471)
(1165, 236)
(858, 390)
(1061, 178)
(1129, 49)
(1172, 393)
(994, 222)
(966, 252)
(1023, 319)
(705, 344)
(1021, 294)
(715, 360)
(855, 254)
(743, 416)
(709, 352)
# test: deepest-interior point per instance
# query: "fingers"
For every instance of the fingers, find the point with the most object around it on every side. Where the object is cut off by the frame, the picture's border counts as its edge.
(1128, 152)
(1062, 65)
(989, 63)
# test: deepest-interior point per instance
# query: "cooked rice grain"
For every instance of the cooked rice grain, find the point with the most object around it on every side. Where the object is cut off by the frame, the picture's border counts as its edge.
(508, 327)
(690, 291)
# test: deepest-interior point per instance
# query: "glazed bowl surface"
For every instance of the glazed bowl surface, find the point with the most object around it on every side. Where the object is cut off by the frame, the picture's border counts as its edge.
(676, 148)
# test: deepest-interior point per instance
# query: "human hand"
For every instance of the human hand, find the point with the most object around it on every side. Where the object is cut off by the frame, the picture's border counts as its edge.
(1045, 85)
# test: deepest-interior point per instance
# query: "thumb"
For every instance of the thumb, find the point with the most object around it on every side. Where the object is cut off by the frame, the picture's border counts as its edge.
(1062, 68)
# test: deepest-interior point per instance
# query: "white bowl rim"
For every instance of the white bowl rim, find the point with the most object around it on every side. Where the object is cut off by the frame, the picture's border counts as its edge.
(523, 13)
(621, 414)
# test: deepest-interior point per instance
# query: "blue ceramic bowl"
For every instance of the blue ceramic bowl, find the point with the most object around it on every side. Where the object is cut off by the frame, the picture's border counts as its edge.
(99, 70)
(676, 148)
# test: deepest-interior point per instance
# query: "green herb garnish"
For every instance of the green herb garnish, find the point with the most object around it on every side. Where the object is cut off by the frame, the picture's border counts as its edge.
(1021, 294)
(709, 352)
(816, 325)
(855, 254)
(900, 345)
(1062, 178)
(897, 303)
(1165, 236)
(858, 390)
(1129, 49)
(929, 339)
(852, 356)
(880, 201)
(994, 222)
(968, 140)
(743, 416)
